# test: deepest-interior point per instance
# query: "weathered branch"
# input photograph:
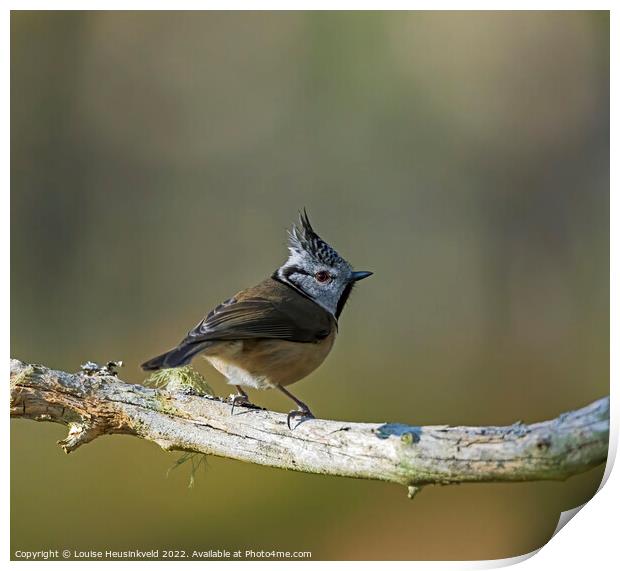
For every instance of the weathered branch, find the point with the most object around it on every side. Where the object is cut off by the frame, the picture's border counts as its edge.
(411, 455)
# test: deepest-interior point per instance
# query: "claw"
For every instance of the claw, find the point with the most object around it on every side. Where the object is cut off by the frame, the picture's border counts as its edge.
(302, 408)
(303, 413)
(238, 400)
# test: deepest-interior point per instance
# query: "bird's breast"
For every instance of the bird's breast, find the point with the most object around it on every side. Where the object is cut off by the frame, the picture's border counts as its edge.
(264, 363)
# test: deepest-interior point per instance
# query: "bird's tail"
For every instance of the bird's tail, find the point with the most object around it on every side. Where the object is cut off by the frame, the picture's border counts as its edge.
(177, 357)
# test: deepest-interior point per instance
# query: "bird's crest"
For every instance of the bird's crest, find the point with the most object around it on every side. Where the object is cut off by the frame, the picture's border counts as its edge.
(304, 240)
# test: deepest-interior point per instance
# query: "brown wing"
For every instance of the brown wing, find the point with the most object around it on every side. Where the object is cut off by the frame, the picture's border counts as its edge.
(292, 318)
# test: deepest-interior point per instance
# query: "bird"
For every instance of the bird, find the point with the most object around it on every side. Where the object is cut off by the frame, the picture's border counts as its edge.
(279, 331)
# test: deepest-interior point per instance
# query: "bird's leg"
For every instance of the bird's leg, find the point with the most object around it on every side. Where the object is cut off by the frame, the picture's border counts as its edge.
(241, 398)
(303, 412)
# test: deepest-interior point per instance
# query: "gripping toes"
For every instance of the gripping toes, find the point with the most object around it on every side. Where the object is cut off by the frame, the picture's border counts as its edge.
(302, 413)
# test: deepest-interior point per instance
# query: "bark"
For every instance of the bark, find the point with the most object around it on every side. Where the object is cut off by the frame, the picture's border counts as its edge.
(92, 406)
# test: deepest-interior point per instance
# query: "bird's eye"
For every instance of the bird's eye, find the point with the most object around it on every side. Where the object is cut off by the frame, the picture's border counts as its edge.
(322, 277)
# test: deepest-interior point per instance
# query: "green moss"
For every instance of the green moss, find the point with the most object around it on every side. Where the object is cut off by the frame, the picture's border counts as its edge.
(180, 379)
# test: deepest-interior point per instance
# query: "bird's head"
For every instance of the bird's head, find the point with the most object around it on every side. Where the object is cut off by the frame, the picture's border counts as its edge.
(317, 270)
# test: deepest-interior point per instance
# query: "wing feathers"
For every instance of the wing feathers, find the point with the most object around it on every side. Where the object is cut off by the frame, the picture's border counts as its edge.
(252, 318)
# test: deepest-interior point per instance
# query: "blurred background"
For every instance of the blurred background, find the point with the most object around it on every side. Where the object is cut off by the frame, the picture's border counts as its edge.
(157, 160)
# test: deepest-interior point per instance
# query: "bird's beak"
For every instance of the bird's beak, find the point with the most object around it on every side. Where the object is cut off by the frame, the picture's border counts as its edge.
(357, 276)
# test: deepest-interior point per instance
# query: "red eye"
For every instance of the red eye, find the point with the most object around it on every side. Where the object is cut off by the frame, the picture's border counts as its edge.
(322, 277)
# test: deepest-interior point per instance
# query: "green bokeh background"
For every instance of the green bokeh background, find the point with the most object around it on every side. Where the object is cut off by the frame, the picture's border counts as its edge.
(156, 161)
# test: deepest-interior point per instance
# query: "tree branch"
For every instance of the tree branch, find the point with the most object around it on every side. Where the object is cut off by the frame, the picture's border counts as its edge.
(411, 455)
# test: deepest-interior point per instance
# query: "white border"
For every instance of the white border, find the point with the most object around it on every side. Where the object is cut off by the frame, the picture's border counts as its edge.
(589, 538)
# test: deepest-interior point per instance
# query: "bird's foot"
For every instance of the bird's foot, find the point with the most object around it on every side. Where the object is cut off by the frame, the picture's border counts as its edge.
(238, 400)
(242, 400)
(303, 413)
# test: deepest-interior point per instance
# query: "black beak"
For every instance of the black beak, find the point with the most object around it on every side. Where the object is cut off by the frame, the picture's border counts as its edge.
(357, 276)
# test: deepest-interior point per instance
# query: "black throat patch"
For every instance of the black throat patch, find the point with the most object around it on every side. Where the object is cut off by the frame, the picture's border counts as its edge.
(344, 298)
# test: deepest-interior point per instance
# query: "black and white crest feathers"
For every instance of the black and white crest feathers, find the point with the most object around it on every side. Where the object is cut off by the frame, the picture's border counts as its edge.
(303, 239)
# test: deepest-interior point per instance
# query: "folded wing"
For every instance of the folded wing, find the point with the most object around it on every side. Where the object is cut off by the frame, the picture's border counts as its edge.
(253, 318)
